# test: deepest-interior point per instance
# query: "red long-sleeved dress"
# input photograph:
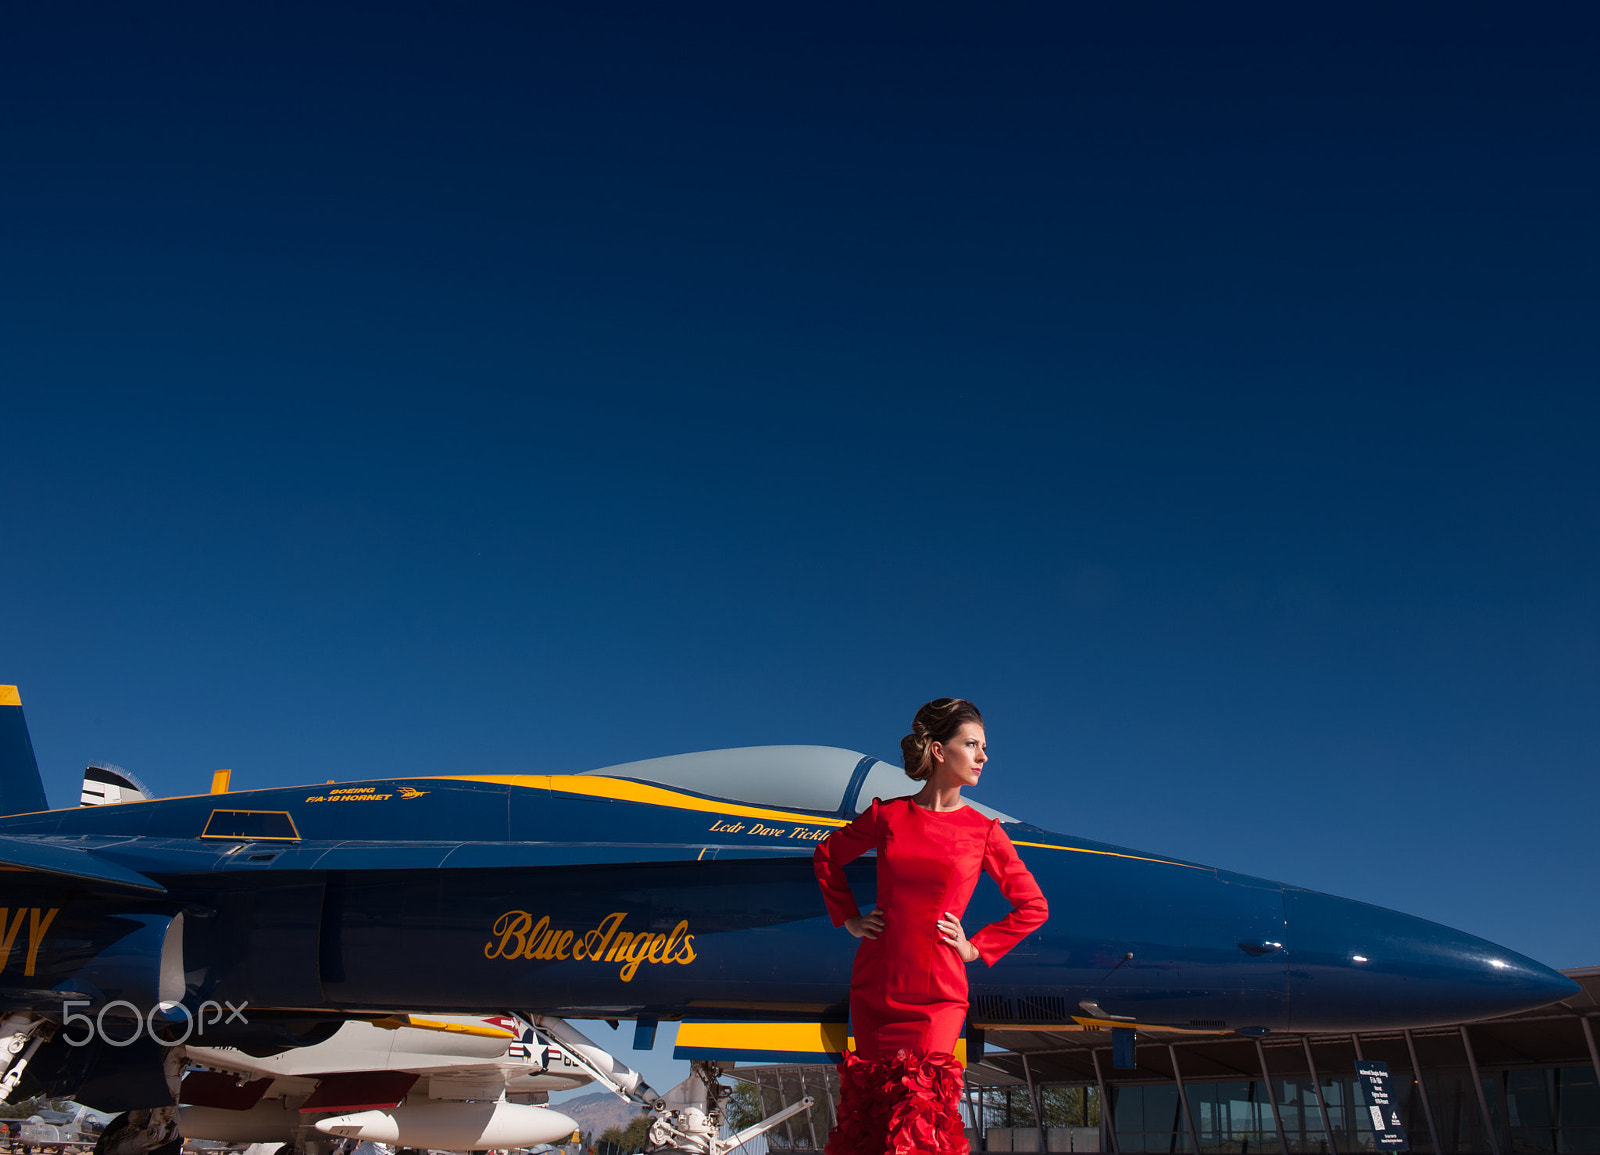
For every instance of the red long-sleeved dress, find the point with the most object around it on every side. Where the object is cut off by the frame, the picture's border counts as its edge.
(908, 990)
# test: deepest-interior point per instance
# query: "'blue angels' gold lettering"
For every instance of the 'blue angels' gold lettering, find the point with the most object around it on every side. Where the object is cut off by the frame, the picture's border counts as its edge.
(519, 935)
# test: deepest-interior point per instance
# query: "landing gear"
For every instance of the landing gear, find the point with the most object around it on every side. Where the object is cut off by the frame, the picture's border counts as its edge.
(686, 1119)
(148, 1130)
(145, 1131)
(690, 1118)
(21, 1034)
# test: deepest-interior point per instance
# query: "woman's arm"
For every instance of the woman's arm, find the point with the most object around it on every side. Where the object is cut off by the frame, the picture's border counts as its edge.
(844, 846)
(1028, 907)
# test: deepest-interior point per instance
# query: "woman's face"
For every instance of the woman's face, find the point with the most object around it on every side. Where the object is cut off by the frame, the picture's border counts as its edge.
(960, 761)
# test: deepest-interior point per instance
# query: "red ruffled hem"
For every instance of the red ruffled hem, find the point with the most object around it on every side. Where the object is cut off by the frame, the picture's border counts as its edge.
(906, 1105)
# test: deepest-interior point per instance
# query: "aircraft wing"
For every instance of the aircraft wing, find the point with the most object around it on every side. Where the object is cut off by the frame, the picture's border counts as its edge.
(72, 862)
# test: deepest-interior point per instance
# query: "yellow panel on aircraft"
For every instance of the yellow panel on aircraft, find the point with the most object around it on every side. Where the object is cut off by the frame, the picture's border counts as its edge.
(818, 1038)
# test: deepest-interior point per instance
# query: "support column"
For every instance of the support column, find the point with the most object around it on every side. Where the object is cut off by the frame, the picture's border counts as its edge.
(1422, 1093)
(1322, 1103)
(811, 1125)
(1108, 1125)
(1588, 1037)
(788, 1124)
(1483, 1100)
(1183, 1100)
(1037, 1099)
(1272, 1098)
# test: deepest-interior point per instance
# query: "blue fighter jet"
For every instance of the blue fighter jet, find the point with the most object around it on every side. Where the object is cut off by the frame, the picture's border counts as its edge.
(678, 888)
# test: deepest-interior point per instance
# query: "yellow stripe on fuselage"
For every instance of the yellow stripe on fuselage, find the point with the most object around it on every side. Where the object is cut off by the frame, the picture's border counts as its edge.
(624, 790)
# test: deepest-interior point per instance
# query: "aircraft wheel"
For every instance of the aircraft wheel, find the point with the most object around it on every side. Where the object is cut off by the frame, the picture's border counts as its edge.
(132, 1133)
(113, 1132)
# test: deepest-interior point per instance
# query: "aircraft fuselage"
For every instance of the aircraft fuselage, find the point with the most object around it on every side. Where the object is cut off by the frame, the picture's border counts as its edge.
(591, 896)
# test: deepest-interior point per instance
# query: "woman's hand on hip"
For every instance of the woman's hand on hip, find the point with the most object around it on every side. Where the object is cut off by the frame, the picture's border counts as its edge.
(952, 934)
(868, 925)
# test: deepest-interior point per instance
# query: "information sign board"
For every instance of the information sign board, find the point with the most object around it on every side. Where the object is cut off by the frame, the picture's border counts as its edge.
(1378, 1097)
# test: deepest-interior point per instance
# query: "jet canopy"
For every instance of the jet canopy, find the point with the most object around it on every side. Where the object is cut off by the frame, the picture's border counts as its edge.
(825, 779)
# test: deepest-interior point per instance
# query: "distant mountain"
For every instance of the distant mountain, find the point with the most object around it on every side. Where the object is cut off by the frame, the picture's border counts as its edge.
(597, 1112)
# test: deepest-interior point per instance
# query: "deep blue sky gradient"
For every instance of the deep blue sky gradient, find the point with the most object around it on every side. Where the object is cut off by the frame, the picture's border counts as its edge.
(1209, 393)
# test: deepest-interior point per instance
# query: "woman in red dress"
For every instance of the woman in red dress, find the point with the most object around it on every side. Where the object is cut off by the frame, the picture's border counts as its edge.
(900, 1087)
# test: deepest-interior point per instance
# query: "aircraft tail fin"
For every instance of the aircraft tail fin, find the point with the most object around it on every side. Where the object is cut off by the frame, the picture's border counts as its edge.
(21, 789)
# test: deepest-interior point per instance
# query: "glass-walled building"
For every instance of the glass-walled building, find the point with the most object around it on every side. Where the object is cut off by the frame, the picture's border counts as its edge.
(1527, 1083)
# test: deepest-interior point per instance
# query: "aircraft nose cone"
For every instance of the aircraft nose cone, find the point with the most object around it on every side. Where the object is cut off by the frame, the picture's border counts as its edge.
(1358, 967)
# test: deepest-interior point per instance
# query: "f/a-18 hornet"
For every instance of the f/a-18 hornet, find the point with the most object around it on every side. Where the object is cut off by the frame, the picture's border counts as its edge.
(678, 888)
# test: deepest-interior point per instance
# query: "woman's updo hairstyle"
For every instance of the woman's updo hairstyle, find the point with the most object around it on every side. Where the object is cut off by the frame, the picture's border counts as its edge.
(937, 721)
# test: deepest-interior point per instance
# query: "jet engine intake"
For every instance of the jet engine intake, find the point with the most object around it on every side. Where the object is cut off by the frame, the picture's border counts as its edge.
(134, 960)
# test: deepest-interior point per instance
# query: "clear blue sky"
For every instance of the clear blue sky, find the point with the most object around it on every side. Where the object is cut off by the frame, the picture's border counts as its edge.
(1209, 393)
